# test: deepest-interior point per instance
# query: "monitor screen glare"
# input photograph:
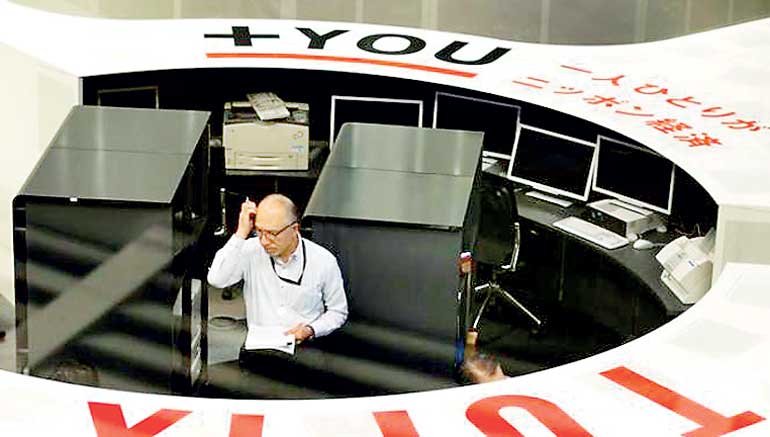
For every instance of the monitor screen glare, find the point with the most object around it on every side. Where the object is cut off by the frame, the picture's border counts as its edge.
(634, 174)
(498, 121)
(553, 163)
(348, 109)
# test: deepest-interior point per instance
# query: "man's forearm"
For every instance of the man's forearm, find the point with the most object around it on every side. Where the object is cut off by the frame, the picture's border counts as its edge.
(328, 322)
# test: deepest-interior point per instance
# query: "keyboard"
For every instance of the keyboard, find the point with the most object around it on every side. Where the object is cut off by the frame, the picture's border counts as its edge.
(547, 198)
(591, 232)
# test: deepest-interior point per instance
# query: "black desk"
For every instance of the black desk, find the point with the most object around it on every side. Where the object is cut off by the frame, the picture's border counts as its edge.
(620, 288)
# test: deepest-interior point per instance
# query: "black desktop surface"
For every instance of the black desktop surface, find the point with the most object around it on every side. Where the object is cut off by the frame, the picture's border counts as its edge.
(131, 130)
(118, 154)
(639, 263)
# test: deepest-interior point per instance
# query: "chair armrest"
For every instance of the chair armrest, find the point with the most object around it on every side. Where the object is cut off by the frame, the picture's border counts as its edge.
(516, 249)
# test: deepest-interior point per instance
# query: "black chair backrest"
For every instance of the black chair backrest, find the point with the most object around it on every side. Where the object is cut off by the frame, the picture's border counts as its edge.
(494, 244)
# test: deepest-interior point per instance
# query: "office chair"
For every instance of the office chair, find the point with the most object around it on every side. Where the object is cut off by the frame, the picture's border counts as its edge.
(499, 243)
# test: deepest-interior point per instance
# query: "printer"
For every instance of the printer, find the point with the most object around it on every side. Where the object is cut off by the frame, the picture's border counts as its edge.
(254, 144)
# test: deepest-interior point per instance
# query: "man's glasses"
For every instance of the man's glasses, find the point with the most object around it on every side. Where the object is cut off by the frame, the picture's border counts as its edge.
(271, 235)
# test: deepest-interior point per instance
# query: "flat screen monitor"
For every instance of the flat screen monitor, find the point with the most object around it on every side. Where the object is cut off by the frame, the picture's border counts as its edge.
(498, 121)
(634, 174)
(136, 97)
(552, 162)
(349, 109)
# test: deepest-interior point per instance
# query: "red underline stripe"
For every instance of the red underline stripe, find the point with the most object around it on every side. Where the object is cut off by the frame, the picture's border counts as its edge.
(343, 59)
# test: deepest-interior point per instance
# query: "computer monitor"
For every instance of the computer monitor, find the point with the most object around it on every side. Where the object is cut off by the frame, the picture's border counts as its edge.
(552, 162)
(135, 97)
(347, 109)
(498, 121)
(634, 174)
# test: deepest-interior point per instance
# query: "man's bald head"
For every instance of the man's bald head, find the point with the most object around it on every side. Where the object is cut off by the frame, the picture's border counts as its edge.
(276, 204)
(277, 226)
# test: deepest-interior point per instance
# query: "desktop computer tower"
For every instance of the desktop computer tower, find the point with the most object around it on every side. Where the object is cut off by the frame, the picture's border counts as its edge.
(624, 220)
(106, 232)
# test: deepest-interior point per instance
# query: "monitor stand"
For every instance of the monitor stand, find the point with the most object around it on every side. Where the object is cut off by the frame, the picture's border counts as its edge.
(549, 198)
(630, 207)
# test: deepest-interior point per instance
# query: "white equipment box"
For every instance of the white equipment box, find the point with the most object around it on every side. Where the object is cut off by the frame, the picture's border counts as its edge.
(253, 144)
(621, 218)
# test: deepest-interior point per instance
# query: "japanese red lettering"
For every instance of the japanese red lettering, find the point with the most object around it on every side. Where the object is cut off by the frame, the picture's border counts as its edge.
(109, 421)
(650, 89)
(696, 140)
(712, 423)
(485, 415)
(681, 103)
(742, 124)
(668, 125)
(614, 80)
(715, 112)
(567, 90)
(606, 101)
(637, 112)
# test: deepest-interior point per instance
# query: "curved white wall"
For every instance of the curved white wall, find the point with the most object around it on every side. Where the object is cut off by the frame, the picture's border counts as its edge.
(36, 98)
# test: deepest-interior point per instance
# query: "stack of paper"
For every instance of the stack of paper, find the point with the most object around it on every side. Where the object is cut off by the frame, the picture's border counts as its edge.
(268, 106)
(269, 337)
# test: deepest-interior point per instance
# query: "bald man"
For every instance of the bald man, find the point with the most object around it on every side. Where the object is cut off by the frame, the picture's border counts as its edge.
(289, 281)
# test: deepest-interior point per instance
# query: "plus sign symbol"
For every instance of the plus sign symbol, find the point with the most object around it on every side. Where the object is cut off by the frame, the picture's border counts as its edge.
(241, 35)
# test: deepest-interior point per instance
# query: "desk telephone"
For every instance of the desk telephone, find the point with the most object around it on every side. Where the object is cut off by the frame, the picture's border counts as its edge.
(687, 265)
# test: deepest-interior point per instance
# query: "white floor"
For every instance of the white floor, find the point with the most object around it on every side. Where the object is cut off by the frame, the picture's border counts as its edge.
(227, 327)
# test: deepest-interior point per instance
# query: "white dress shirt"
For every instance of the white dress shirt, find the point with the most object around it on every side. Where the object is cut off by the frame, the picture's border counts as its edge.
(319, 300)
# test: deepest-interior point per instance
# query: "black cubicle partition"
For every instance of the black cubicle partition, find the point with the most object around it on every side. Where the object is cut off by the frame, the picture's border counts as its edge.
(105, 231)
(398, 205)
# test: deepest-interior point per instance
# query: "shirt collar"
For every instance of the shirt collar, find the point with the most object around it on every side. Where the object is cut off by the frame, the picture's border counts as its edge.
(295, 256)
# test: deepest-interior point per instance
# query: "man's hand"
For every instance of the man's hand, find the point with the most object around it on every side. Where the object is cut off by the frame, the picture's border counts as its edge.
(483, 368)
(246, 219)
(301, 332)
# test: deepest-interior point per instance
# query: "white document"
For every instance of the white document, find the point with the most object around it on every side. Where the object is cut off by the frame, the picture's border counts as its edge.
(268, 106)
(269, 337)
